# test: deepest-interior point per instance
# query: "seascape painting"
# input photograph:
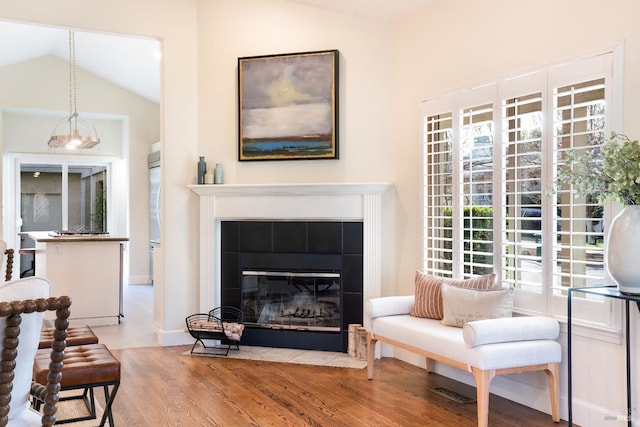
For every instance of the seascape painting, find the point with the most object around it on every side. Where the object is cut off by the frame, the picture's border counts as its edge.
(288, 106)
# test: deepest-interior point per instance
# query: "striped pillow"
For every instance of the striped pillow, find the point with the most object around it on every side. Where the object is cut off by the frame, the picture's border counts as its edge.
(428, 292)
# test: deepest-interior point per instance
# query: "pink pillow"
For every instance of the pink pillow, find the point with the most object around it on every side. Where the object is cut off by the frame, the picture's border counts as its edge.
(428, 292)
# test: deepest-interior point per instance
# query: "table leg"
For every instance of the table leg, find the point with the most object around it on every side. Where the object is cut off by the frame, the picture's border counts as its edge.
(570, 421)
(627, 332)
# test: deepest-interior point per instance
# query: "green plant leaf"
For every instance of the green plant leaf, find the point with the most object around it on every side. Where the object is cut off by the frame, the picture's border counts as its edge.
(609, 172)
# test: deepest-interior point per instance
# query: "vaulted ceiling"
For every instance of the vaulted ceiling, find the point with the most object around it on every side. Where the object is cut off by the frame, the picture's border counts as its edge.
(134, 62)
(131, 62)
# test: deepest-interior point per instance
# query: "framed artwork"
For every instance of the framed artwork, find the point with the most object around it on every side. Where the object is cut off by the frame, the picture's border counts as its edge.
(288, 106)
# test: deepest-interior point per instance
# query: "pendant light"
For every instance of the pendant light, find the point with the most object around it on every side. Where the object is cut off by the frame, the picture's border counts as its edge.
(79, 133)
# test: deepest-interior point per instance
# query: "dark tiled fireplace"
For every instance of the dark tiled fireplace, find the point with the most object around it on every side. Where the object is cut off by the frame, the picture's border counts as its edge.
(298, 283)
(329, 213)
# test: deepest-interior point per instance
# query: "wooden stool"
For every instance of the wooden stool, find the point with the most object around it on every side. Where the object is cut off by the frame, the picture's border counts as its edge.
(85, 367)
(76, 335)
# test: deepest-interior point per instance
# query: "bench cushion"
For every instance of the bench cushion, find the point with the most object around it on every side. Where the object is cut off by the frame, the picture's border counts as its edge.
(523, 328)
(83, 365)
(433, 337)
(389, 306)
(76, 335)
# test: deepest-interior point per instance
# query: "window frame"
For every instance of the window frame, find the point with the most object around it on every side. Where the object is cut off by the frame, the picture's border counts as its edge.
(608, 65)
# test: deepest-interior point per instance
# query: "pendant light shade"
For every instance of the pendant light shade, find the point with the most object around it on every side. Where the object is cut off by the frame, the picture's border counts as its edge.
(73, 133)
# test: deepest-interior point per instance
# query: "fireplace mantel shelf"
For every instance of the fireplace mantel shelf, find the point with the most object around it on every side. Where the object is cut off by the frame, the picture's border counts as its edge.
(347, 201)
(304, 189)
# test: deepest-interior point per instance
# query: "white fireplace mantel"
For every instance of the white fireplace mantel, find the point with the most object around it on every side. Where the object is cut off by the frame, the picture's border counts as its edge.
(292, 202)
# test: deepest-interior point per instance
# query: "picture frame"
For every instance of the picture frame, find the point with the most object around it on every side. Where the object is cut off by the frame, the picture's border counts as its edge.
(288, 106)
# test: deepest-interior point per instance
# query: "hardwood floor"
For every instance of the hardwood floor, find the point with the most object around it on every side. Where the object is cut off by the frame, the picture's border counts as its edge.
(162, 387)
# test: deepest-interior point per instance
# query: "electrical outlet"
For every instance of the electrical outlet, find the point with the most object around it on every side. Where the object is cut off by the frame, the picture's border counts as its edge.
(56, 249)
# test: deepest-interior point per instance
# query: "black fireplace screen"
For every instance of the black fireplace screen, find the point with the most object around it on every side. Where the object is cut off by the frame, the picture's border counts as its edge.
(291, 300)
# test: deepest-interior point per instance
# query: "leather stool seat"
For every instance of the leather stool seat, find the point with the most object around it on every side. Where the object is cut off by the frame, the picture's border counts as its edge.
(85, 367)
(76, 335)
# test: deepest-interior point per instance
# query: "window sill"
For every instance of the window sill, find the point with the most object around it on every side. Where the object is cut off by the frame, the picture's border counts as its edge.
(583, 329)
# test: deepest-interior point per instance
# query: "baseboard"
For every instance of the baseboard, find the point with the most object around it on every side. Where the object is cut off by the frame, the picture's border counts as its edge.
(173, 338)
(588, 414)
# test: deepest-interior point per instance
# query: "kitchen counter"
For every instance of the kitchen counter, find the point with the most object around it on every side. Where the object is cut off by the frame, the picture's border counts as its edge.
(86, 267)
(50, 236)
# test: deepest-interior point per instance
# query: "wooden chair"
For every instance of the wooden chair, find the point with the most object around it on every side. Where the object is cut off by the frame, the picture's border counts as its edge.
(22, 304)
(9, 265)
(8, 253)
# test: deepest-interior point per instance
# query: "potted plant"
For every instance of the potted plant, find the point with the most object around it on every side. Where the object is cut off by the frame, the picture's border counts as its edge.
(612, 172)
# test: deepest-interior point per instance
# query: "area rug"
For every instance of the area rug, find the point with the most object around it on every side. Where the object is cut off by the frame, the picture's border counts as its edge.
(287, 355)
(75, 408)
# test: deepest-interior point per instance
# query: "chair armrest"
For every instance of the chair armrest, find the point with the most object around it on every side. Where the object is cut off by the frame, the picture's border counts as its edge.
(508, 329)
(389, 306)
(38, 391)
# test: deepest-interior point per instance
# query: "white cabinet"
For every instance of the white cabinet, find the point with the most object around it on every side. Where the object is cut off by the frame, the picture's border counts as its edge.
(88, 269)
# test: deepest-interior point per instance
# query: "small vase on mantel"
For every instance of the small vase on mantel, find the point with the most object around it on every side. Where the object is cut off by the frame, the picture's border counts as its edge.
(623, 250)
(202, 170)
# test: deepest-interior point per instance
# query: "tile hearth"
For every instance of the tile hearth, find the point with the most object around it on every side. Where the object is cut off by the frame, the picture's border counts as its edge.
(287, 355)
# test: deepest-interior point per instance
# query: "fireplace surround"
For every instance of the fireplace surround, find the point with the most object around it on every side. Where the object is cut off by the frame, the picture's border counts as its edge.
(369, 204)
(299, 283)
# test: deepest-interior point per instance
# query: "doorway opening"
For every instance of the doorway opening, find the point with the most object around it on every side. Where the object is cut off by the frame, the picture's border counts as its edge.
(124, 109)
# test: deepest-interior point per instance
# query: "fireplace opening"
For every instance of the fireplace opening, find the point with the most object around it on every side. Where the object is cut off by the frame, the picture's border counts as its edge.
(302, 301)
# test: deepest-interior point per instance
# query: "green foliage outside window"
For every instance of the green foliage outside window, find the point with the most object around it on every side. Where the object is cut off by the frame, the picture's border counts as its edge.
(478, 238)
(99, 218)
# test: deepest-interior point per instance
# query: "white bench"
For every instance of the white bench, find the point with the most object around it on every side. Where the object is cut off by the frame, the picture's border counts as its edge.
(485, 348)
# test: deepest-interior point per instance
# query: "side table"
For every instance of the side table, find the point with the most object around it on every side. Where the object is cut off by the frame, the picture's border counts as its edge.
(607, 292)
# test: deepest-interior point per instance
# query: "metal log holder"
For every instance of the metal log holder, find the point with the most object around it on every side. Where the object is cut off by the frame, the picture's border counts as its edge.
(211, 326)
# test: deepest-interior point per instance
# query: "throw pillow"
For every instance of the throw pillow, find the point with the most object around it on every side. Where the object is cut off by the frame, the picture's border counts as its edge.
(465, 305)
(428, 294)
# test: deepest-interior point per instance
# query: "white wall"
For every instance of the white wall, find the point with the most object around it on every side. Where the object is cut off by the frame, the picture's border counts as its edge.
(34, 95)
(454, 44)
(174, 23)
(229, 29)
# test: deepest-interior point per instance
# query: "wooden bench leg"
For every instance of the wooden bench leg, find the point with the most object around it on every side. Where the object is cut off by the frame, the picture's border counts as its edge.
(553, 374)
(483, 381)
(371, 354)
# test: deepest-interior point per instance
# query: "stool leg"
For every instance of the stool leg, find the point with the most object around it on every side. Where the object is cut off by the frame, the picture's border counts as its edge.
(92, 400)
(35, 403)
(88, 399)
(109, 398)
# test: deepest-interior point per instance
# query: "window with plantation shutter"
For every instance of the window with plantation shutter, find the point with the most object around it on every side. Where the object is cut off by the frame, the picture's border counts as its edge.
(438, 198)
(579, 125)
(476, 173)
(490, 158)
(522, 200)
